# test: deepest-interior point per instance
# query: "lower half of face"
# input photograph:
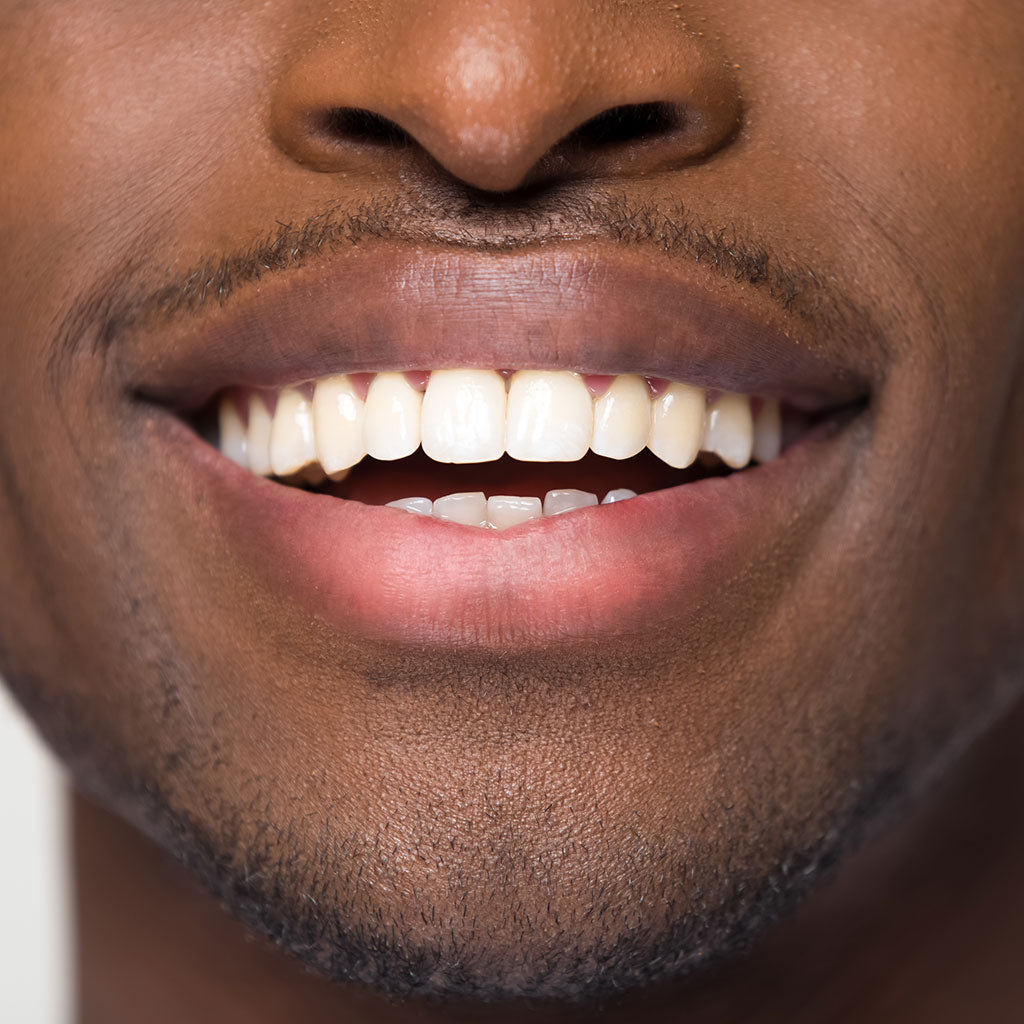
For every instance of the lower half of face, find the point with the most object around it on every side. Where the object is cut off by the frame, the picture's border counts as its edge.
(558, 813)
(591, 748)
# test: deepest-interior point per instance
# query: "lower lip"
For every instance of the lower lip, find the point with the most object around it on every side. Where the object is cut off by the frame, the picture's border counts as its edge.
(619, 569)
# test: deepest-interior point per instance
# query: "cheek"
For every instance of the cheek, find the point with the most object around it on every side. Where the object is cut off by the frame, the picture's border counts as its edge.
(111, 132)
(889, 134)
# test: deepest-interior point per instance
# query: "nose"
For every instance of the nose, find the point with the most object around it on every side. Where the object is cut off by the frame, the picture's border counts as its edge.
(504, 93)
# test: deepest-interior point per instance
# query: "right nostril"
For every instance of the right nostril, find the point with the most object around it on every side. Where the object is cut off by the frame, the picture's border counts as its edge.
(357, 125)
(635, 122)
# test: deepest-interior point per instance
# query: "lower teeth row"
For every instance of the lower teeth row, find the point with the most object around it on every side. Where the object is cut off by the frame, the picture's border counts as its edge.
(472, 508)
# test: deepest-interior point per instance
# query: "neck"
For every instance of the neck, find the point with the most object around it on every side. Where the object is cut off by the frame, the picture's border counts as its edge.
(921, 925)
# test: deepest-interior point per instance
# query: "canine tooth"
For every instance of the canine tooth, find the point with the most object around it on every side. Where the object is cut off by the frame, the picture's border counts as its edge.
(233, 437)
(291, 434)
(259, 436)
(505, 510)
(730, 430)
(338, 415)
(392, 425)
(466, 507)
(677, 424)
(419, 506)
(619, 494)
(768, 431)
(622, 418)
(550, 416)
(463, 418)
(557, 502)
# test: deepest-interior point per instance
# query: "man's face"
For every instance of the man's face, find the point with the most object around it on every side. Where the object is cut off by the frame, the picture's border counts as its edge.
(592, 750)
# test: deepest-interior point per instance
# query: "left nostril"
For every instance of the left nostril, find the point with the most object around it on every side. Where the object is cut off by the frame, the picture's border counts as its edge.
(635, 122)
(361, 126)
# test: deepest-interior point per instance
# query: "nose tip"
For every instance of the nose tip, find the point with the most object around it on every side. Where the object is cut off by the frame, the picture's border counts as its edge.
(490, 115)
(498, 101)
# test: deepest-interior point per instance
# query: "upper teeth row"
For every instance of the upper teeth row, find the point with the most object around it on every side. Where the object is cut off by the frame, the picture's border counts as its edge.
(478, 416)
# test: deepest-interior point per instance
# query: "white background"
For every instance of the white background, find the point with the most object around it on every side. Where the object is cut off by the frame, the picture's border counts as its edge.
(35, 937)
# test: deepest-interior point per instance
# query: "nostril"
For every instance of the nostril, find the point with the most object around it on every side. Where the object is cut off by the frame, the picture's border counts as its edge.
(629, 123)
(360, 126)
(634, 122)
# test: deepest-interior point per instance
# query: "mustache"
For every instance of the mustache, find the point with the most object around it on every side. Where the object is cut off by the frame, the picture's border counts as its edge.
(138, 293)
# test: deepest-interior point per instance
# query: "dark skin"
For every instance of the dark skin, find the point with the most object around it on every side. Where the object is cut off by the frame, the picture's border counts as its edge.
(712, 760)
(922, 925)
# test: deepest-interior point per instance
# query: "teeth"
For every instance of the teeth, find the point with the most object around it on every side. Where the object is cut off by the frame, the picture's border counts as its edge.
(550, 416)
(677, 424)
(234, 441)
(463, 416)
(730, 432)
(557, 502)
(259, 436)
(504, 510)
(338, 416)
(291, 434)
(768, 432)
(467, 416)
(392, 425)
(421, 506)
(468, 508)
(622, 418)
(619, 494)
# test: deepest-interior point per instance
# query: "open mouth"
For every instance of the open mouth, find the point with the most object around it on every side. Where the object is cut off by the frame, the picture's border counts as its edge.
(572, 444)
(497, 449)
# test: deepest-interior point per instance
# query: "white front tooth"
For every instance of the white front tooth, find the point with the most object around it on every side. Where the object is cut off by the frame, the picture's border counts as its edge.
(730, 432)
(258, 441)
(622, 418)
(505, 510)
(338, 415)
(556, 502)
(619, 494)
(466, 507)
(234, 442)
(550, 416)
(291, 434)
(392, 425)
(677, 424)
(463, 417)
(768, 431)
(420, 506)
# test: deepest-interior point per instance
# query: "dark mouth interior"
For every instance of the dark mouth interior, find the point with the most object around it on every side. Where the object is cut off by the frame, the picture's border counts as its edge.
(376, 483)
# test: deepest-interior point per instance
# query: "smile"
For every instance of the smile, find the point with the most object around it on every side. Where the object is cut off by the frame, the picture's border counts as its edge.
(588, 447)
(320, 435)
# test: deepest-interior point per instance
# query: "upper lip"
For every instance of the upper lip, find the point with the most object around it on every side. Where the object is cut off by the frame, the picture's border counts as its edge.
(586, 307)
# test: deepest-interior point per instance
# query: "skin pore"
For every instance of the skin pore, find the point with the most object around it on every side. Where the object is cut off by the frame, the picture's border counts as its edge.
(462, 825)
